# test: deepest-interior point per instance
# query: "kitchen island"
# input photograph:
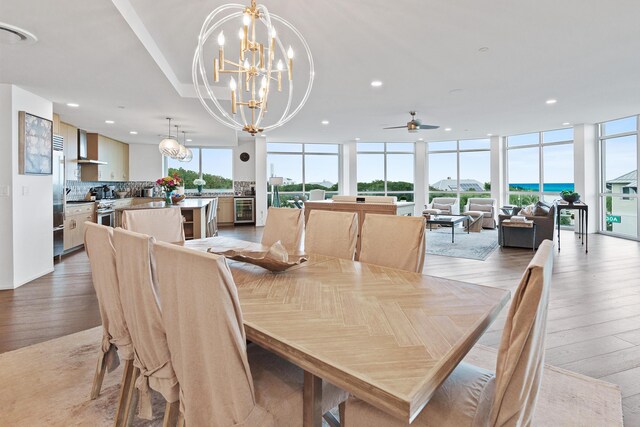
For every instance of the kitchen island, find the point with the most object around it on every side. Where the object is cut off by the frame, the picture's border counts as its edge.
(194, 212)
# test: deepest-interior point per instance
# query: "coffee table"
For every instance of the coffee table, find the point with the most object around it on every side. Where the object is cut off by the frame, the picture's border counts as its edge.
(449, 221)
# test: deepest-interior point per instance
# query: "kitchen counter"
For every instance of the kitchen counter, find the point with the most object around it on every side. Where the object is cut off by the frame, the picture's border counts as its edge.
(185, 204)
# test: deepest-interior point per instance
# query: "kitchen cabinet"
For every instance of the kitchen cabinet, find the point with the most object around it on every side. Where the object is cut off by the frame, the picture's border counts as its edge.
(56, 124)
(75, 217)
(70, 135)
(225, 211)
(114, 153)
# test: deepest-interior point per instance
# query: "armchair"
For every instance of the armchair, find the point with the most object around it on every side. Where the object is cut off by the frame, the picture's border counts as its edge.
(487, 207)
(442, 205)
(545, 226)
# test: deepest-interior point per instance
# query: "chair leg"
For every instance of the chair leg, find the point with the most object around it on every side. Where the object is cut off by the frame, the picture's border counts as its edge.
(125, 386)
(171, 414)
(181, 422)
(98, 377)
(132, 399)
(331, 420)
(341, 411)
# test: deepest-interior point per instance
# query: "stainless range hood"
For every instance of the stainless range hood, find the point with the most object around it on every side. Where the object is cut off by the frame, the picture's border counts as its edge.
(91, 162)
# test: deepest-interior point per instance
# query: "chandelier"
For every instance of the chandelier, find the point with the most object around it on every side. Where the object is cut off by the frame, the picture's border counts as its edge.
(259, 62)
(169, 146)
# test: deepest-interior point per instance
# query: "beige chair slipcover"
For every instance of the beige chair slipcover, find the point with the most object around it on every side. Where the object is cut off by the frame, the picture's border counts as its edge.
(212, 218)
(141, 307)
(393, 241)
(316, 194)
(221, 383)
(165, 224)
(285, 225)
(98, 243)
(380, 200)
(475, 397)
(331, 233)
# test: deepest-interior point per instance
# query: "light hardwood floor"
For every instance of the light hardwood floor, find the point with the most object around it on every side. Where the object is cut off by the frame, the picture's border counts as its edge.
(593, 324)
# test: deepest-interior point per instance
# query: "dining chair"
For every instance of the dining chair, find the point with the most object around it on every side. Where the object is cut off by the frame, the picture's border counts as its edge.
(472, 396)
(116, 339)
(165, 224)
(331, 233)
(142, 312)
(285, 225)
(223, 382)
(393, 241)
(316, 194)
(212, 218)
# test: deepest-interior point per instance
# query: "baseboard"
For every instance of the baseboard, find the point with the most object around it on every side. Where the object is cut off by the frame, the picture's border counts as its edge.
(32, 278)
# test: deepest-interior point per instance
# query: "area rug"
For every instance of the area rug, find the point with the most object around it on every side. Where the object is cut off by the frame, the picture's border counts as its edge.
(48, 384)
(472, 246)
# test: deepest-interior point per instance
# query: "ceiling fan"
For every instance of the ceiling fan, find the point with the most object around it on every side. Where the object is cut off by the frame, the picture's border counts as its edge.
(414, 125)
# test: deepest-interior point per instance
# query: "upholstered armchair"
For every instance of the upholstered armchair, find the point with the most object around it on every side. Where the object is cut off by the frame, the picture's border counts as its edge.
(442, 205)
(487, 207)
(545, 225)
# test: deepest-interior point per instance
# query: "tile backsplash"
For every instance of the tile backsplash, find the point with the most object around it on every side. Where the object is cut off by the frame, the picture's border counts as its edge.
(243, 187)
(80, 188)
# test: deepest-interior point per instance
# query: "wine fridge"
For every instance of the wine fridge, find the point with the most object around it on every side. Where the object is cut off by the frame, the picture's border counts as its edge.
(243, 210)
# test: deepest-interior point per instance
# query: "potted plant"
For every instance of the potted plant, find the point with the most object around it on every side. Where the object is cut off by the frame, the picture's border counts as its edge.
(168, 185)
(570, 196)
(199, 182)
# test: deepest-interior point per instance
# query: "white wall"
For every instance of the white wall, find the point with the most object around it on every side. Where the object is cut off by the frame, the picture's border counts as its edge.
(246, 171)
(260, 172)
(31, 198)
(6, 179)
(145, 162)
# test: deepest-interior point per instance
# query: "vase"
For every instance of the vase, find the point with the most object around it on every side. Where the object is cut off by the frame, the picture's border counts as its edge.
(167, 197)
(199, 189)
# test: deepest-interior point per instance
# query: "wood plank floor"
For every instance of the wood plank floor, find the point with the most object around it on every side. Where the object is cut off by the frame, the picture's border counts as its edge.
(593, 323)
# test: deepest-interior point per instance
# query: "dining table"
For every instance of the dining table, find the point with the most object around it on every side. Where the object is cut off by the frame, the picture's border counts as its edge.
(387, 336)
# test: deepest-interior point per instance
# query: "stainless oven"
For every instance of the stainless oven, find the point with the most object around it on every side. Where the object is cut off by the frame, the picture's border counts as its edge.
(106, 217)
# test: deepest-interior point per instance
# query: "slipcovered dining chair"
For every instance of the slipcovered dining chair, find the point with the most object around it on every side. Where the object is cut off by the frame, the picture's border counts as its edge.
(285, 225)
(316, 194)
(472, 396)
(393, 241)
(142, 312)
(212, 218)
(331, 233)
(165, 224)
(222, 382)
(116, 340)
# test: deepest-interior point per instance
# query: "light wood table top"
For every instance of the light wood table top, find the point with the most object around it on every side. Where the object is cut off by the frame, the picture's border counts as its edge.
(388, 336)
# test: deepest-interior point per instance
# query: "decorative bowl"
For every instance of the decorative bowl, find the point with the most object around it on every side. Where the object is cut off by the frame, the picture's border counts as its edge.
(571, 198)
(122, 194)
(177, 199)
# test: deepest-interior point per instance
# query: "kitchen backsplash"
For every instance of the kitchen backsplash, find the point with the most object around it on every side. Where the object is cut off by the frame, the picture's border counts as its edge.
(243, 188)
(78, 189)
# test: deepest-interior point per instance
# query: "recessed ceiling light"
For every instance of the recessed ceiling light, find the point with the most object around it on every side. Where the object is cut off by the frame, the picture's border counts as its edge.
(489, 134)
(376, 83)
(483, 49)
(109, 122)
(420, 139)
(566, 124)
(325, 122)
(133, 132)
(447, 129)
(72, 105)
(189, 140)
(551, 101)
(357, 139)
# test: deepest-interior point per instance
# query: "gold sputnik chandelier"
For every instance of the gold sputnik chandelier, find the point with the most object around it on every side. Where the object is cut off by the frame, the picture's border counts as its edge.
(260, 63)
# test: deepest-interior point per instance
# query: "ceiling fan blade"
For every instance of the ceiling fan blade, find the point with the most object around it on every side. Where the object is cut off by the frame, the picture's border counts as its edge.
(397, 127)
(429, 127)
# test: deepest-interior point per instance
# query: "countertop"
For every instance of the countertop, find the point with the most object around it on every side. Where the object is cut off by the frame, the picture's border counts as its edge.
(185, 204)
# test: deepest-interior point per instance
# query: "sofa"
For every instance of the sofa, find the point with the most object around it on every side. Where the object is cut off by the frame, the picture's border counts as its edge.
(442, 205)
(544, 217)
(487, 207)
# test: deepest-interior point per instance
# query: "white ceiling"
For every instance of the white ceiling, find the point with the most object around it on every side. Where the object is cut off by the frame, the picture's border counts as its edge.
(137, 54)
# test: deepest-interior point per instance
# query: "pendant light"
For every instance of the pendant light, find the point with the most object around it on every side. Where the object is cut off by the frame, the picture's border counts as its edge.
(169, 146)
(182, 151)
(189, 154)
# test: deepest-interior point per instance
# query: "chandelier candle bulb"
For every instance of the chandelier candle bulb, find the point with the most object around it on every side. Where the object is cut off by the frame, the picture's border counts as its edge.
(241, 35)
(216, 68)
(261, 56)
(232, 86)
(290, 56)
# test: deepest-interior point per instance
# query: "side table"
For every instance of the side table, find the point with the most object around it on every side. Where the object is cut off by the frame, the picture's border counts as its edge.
(507, 223)
(583, 214)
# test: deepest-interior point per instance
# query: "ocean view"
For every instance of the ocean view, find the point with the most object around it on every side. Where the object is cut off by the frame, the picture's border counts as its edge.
(550, 187)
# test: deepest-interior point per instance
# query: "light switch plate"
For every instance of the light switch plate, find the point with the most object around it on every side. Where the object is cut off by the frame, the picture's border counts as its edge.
(25, 190)
(4, 190)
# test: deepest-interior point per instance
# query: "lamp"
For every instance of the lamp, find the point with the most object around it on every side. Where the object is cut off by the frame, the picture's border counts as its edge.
(185, 154)
(255, 66)
(169, 146)
(275, 182)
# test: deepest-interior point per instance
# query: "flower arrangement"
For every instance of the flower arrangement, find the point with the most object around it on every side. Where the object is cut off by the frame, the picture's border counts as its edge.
(168, 184)
(199, 182)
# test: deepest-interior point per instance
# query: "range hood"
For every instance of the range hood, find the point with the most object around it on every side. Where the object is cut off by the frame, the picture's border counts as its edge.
(91, 162)
(83, 150)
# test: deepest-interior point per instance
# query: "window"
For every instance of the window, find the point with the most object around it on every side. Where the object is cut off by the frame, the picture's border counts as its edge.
(539, 167)
(213, 164)
(303, 167)
(386, 169)
(619, 172)
(460, 169)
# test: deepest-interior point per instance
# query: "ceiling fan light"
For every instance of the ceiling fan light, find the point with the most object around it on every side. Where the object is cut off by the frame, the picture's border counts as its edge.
(169, 147)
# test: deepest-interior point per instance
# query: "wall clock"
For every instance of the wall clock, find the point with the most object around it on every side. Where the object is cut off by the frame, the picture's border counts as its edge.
(245, 157)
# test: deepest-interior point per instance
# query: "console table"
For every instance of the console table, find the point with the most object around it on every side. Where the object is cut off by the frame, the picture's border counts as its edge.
(583, 213)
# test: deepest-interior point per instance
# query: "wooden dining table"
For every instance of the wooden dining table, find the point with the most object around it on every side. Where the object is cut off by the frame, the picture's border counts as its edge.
(387, 336)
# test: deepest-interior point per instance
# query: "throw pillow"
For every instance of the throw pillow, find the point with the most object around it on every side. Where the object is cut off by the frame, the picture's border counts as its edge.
(442, 207)
(481, 208)
(528, 210)
(541, 209)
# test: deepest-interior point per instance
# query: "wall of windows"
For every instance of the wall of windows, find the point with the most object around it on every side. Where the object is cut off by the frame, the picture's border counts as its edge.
(619, 176)
(304, 167)
(386, 169)
(214, 164)
(459, 169)
(539, 167)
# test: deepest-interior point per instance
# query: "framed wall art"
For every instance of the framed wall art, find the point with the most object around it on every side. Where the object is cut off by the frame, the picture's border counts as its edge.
(35, 145)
